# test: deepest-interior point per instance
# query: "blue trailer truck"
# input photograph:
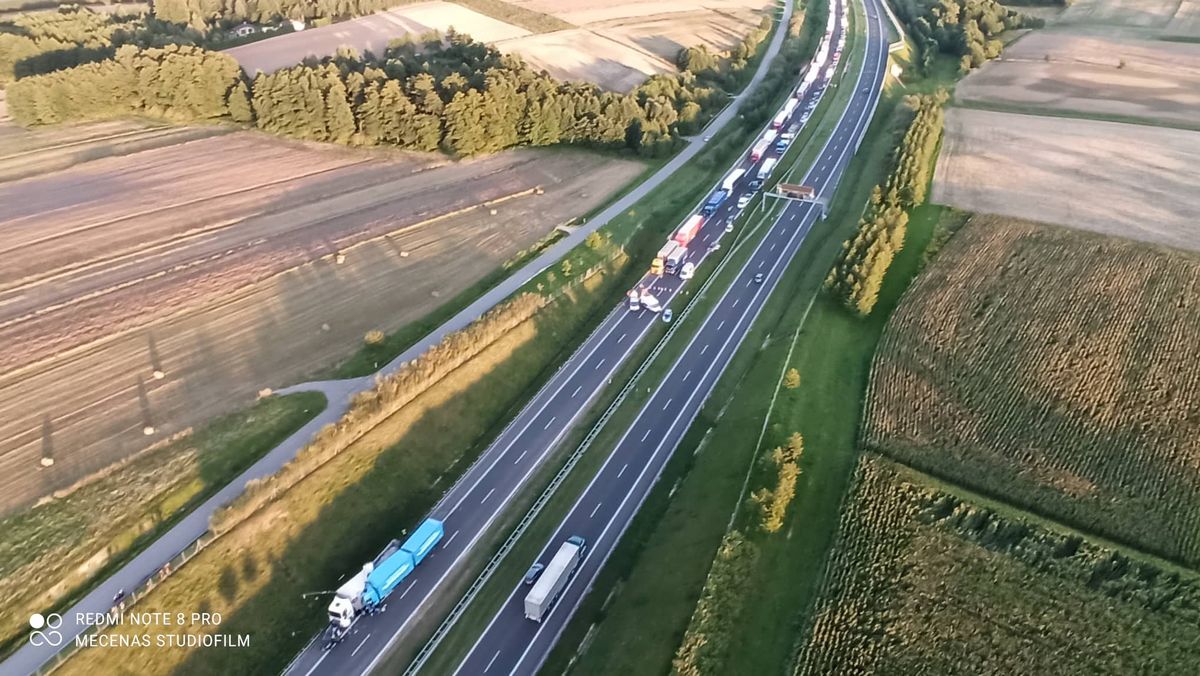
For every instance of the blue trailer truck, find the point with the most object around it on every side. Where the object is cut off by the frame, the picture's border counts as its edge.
(714, 201)
(366, 592)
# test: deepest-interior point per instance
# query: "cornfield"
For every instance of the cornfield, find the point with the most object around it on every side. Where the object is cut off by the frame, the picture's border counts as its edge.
(1056, 370)
(921, 582)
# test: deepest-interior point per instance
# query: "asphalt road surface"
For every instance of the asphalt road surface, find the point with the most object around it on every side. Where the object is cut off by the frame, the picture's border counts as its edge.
(28, 658)
(512, 644)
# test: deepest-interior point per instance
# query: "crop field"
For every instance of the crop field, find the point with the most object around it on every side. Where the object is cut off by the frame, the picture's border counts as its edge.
(922, 582)
(1093, 75)
(620, 43)
(1056, 369)
(616, 45)
(147, 292)
(372, 32)
(1186, 22)
(1118, 179)
(1138, 13)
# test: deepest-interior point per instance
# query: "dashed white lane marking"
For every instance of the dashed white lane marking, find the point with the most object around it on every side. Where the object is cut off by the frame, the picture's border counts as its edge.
(489, 494)
(552, 419)
(360, 645)
(626, 466)
(597, 509)
(489, 664)
(518, 460)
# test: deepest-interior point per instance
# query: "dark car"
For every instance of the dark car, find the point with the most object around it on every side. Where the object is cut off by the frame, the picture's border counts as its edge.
(534, 571)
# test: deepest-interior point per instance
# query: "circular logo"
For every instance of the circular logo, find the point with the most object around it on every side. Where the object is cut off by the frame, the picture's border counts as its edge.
(45, 630)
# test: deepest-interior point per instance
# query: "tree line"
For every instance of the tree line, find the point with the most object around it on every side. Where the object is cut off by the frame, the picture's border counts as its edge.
(711, 629)
(964, 28)
(451, 93)
(176, 82)
(858, 275)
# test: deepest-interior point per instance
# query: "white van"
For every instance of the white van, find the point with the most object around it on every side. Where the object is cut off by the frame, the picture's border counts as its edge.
(689, 269)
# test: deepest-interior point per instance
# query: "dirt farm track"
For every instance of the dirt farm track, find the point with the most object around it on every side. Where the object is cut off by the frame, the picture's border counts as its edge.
(210, 259)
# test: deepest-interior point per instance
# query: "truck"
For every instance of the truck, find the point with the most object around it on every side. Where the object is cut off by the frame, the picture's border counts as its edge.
(688, 231)
(554, 579)
(714, 202)
(732, 179)
(765, 170)
(762, 146)
(660, 259)
(676, 259)
(785, 113)
(366, 591)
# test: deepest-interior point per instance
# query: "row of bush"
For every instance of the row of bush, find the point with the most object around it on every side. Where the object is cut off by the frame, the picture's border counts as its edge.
(773, 503)
(858, 275)
(706, 641)
(371, 407)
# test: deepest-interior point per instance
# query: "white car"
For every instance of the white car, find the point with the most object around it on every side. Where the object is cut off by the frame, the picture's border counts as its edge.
(688, 270)
(729, 226)
(744, 200)
(667, 316)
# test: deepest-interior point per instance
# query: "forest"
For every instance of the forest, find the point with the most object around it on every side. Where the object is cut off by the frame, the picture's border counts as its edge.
(446, 92)
(964, 28)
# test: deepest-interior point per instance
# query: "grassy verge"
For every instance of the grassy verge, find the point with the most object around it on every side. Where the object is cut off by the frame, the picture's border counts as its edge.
(54, 553)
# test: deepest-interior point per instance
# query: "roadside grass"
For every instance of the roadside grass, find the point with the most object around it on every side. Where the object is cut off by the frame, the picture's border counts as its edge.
(383, 483)
(52, 554)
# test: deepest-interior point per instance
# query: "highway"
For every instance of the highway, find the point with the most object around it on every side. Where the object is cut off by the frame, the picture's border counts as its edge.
(512, 644)
(477, 500)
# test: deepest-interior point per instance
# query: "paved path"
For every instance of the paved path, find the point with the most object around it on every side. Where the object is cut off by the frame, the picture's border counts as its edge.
(29, 658)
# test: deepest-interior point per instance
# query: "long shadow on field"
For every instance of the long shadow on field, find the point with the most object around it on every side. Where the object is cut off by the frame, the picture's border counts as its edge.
(354, 505)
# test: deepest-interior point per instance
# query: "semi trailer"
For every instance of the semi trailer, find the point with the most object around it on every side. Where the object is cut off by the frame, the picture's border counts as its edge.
(369, 588)
(554, 579)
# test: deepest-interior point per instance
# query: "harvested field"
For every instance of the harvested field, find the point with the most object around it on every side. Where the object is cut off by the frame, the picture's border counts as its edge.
(922, 582)
(1118, 179)
(222, 276)
(25, 153)
(1153, 80)
(617, 46)
(580, 54)
(621, 43)
(1139, 13)
(1186, 22)
(370, 33)
(1057, 370)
